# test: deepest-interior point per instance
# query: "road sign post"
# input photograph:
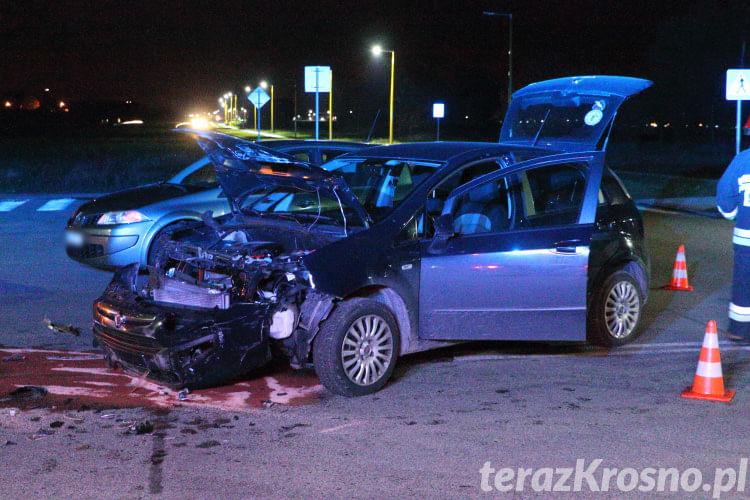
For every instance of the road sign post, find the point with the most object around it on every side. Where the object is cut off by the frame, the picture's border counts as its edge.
(738, 89)
(258, 98)
(438, 112)
(317, 79)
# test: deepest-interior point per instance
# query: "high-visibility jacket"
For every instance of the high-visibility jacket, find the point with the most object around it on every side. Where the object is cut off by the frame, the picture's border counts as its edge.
(733, 196)
(733, 201)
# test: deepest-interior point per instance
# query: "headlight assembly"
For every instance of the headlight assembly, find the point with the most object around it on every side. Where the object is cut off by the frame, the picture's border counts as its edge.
(126, 217)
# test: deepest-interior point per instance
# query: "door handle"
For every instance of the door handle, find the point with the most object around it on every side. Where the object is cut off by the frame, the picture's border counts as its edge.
(567, 246)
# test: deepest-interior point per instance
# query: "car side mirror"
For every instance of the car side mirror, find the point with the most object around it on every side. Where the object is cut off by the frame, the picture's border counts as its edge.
(443, 232)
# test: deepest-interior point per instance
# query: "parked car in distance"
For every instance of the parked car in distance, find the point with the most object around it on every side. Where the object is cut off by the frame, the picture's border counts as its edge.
(122, 227)
(393, 250)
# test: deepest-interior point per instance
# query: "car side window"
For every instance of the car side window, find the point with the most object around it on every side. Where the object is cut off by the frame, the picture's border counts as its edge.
(437, 197)
(551, 195)
(328, 155)
(302, 155)
(486, 208)
(203, 177)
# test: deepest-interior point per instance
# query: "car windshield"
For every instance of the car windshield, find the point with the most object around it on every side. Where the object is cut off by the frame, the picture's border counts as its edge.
(204, 177)
(379, 184)
(305, 207)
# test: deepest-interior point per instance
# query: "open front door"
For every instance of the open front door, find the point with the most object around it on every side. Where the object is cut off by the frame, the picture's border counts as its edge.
(516, 268)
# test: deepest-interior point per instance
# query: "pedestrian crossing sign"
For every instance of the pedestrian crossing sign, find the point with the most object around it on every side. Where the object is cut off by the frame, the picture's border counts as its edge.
(738, 85)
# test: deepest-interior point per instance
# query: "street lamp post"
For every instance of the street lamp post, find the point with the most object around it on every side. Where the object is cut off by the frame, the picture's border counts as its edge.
(264, 85)
(377, 50)
(510, 48)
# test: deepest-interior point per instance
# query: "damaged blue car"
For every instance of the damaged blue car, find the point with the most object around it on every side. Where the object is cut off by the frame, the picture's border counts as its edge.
(392, 250)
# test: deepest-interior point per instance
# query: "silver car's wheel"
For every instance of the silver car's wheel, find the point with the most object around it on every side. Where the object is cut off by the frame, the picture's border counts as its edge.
(357, 347)
(622, 309)
(615, 309)
(367, 350)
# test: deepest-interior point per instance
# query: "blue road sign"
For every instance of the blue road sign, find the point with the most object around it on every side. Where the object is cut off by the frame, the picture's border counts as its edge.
(258, 97)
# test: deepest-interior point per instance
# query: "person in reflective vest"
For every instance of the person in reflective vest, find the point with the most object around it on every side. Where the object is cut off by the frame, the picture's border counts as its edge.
(733, 202)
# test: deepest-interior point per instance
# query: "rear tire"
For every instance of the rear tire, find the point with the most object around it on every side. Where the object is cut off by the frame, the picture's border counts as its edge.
(615, 310)
(356, 349)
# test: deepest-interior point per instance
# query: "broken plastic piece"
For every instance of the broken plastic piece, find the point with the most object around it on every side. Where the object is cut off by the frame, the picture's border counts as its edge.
(60, 328)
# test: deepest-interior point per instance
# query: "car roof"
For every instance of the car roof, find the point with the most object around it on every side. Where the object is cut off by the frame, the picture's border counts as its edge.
(440, 151)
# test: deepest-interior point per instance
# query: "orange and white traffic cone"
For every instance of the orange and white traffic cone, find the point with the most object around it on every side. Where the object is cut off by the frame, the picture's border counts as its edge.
(709, 380)
(679, 274)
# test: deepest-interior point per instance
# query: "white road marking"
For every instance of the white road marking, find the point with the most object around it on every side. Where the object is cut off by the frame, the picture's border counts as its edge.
(56, 205)
(8, 205)
(627, 350)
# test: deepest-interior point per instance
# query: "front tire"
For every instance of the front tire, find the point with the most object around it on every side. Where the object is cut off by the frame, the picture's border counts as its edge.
(159, 240)
(615, 310)
(356, 349)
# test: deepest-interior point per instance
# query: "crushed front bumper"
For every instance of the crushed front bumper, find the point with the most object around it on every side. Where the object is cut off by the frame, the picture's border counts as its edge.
(181, 347)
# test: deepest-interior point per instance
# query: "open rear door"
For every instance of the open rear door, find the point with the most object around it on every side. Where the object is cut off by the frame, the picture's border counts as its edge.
(568, 114)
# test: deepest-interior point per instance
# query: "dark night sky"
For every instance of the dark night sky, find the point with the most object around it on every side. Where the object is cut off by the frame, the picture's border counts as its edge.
(183, 55)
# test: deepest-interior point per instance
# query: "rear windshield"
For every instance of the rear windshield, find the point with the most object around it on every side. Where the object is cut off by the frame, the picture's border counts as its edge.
(552, 117)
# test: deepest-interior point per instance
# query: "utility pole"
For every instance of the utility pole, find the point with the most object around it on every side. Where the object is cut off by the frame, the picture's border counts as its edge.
(510, 48)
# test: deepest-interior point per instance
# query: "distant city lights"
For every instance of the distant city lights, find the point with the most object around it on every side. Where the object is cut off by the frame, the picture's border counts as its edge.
(8, 104)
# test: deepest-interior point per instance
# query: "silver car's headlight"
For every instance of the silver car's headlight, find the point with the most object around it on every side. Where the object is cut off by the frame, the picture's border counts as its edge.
(126, 217)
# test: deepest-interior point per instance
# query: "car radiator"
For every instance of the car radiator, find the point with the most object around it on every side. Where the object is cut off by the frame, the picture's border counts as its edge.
(173, 291)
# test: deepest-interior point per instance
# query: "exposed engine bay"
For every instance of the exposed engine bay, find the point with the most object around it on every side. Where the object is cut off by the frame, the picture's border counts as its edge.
(228, 291)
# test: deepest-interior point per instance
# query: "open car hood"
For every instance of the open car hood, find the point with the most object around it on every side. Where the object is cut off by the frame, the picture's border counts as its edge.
(243, 167)
(568, 114)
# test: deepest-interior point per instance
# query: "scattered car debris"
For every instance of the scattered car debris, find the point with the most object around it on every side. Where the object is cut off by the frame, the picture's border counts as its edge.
(9, 443)
(208, 444)
(146, 427)
(267, 403)
(56, 424)
(25, 393)
(15, 357)
(41, 433)
(61, 328)
(285, 428)
(82, 447)
(183, 395)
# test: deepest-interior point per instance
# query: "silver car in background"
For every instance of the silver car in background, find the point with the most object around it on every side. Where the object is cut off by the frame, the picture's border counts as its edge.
(121, 228)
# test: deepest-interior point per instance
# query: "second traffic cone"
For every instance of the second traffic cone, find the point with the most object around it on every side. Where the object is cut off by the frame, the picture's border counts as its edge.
(679, 274)
(709, 380)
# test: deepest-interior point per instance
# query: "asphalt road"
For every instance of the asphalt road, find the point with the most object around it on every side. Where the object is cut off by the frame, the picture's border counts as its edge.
(428, 433)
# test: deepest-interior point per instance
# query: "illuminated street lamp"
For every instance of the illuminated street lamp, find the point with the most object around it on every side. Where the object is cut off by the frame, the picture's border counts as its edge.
(264, 85)
(377, 50)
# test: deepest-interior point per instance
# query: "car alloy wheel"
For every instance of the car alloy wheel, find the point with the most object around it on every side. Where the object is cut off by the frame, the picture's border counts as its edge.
(357, 347)
(367, 350)
(622, 309)
(614, 310)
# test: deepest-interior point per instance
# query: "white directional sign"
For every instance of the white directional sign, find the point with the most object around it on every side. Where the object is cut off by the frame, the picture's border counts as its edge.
(317, 78)
(258, 97)
(438, 110)
(738, 85)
